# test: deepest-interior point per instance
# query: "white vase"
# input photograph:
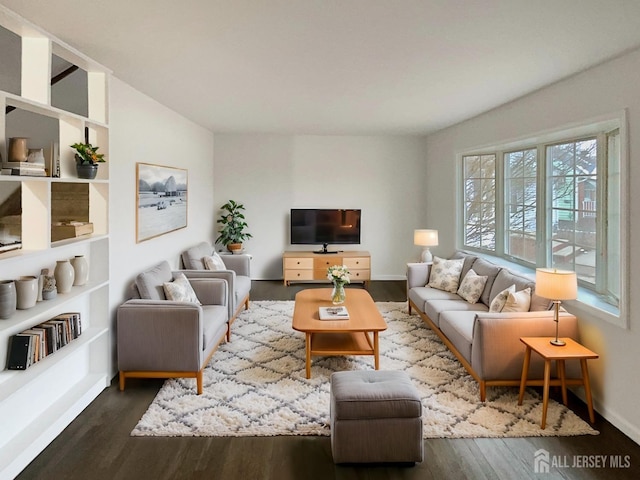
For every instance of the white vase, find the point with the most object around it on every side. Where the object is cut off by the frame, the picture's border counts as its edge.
(80, 269)
(7, 298)
(64, 276)
(26, 292)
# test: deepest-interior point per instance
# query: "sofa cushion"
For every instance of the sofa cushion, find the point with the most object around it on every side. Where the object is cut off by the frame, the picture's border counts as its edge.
(150, 282)
(468, 261)
(420, 295)
(243, 287)
(471, 286)
(490, 270)
(180, 290)
(518, 301)
(445, 274)
(505, 279)
(497, 304)
(213, 262)
(458, 327)
(435, 307)
(193, 257)
(214, 325)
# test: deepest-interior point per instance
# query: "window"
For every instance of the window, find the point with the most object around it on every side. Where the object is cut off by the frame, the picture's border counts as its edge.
(553, 202)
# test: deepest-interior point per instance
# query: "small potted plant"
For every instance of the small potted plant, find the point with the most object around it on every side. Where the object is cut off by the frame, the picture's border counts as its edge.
(232, 227)
(87, 160)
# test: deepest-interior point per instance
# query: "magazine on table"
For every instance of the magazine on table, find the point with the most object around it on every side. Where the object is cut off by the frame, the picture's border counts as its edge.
(334, 313)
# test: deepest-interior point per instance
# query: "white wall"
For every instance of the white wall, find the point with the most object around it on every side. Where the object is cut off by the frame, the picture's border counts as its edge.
(142, 130)
(603, 90)
(270, 174)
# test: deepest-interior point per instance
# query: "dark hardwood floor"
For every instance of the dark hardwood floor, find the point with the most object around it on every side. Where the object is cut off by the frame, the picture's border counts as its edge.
(97, 445)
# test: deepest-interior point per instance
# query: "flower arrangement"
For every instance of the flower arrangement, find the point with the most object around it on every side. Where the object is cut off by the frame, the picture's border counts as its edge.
(338, 274)
(86, 154)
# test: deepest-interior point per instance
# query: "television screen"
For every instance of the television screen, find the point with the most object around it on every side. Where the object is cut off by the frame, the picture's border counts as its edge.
(314, 226)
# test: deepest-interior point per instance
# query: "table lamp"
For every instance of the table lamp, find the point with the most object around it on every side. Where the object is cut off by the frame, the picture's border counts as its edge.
(556, 285)
(426, 239)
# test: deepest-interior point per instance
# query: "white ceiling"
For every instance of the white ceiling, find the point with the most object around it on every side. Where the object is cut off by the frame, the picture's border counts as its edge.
(339, 66)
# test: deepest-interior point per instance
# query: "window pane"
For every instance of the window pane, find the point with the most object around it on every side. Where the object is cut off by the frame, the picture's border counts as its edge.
(479, 200)
(574, 185)
(520, 200)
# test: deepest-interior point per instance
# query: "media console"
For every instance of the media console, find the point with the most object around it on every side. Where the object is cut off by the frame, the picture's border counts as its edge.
(310, 266)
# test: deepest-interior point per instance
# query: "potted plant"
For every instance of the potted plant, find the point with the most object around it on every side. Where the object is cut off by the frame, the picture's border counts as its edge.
(233, 225)
(87, 160)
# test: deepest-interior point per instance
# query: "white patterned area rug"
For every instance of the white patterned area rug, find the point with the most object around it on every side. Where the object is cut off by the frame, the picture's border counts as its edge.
(256, 386)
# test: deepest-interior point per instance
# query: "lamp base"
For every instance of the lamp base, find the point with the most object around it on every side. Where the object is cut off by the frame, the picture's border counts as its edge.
(427, 256)
(558, 343)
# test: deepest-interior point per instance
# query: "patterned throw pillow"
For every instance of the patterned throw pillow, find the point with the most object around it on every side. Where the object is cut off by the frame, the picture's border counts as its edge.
(180, 290)
(497, 304)
(472, 286)
(518, 301)
(445, 274)
(214, 262)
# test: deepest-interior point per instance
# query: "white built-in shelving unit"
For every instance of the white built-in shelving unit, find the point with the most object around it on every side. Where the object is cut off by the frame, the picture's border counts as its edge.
(38, 403)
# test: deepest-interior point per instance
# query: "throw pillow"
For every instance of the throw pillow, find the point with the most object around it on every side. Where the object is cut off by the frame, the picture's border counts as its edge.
(497, 304)
(518, 301)
(445, 274)
(472, 286)
(180, 290)
(214, 262)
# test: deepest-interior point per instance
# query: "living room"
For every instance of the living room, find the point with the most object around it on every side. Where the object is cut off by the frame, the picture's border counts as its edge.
(401, 181)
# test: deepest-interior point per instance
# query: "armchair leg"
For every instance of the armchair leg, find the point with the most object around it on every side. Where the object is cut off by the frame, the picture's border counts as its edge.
(121, 379)
(199, 382)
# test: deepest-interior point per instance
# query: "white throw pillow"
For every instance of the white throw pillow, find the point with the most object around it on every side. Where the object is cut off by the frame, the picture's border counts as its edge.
(445, 274)
(472, 286)
(518, 301)
(214, 262)
(497, 304)
(180, 290)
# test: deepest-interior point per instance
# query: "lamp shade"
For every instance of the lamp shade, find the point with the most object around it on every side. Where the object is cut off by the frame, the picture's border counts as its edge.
(556, 284)
(425, 238)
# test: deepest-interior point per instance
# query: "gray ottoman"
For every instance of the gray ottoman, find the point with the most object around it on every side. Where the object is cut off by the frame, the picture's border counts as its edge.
(376, 417)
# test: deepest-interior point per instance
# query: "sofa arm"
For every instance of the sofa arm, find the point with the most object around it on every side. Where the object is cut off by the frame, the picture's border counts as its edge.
(497, 352)
(229, 276)
(159, 335)
(417, 274)
(241, 264)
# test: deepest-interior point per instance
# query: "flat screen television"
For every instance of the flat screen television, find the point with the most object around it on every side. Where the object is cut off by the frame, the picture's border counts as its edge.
(325, 226)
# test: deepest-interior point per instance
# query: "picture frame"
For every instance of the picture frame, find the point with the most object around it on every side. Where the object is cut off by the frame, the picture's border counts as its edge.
(161, 200)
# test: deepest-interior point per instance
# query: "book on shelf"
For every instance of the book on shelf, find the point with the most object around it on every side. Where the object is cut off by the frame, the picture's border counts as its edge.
(18, 352)
(334, 313)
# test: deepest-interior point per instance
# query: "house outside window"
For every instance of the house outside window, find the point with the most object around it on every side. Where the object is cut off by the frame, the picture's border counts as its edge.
(553, 202)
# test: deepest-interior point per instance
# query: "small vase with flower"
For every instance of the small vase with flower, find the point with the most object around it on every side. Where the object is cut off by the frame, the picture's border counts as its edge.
(339, 276)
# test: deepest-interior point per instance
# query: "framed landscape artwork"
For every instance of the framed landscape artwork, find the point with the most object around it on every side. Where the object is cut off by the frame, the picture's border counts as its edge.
(161, 200)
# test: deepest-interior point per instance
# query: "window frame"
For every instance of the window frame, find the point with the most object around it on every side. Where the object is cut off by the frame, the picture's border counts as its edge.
(589, 301)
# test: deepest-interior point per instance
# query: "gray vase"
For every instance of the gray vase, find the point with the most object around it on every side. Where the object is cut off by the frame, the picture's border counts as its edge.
(7, 298)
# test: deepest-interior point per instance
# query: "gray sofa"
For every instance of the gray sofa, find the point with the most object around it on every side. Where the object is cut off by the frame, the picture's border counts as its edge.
(487, 343)
(160, 338)
(237, 275)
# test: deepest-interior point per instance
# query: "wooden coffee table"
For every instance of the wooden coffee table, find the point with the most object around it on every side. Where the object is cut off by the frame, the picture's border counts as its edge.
(338, 337)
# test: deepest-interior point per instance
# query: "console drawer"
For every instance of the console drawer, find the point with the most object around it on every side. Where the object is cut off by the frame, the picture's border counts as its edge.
(293, 274)
(298, 263)
(357, 262)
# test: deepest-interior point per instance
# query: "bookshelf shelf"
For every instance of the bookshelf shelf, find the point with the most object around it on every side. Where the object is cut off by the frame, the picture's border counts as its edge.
(36, 404)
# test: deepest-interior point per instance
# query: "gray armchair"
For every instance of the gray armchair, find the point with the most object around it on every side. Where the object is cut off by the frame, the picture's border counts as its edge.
(160, 338)
(237, 276)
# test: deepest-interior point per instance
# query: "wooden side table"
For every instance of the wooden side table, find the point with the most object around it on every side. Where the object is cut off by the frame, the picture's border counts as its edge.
(571, 351)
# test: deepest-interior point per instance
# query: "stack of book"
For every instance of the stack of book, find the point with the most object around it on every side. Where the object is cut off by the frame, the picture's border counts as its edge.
(32, 345)
(28, 169)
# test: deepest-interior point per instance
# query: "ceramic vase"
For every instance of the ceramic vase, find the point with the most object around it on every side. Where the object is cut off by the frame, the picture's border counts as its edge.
(26, 292)
(18, 150)
(64, 276)
(7, 298)
(80, 269)
(338, 294)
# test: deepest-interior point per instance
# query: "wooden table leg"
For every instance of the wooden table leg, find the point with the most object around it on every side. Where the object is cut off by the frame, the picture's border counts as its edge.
(563, 383)
(545, 392)
(525, 374)
(376, 350)
(308, 354)
(587, 388)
